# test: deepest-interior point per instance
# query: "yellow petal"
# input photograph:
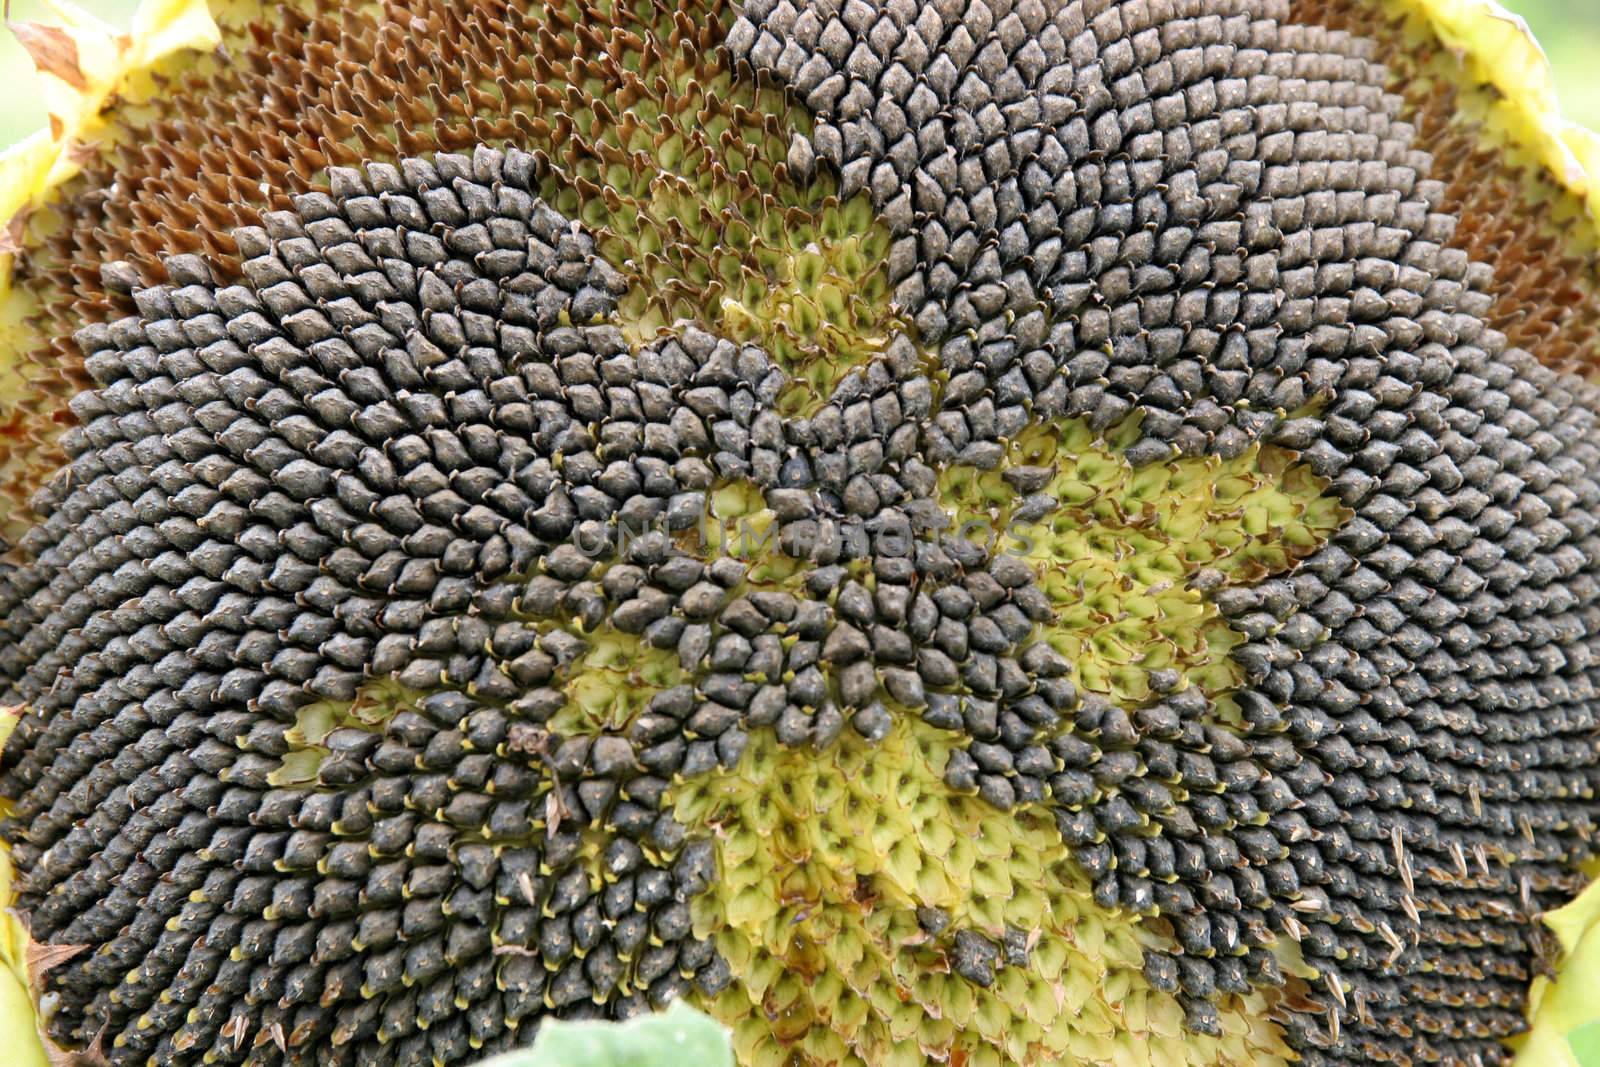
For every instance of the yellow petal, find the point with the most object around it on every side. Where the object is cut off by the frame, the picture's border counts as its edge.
(1557, 1010)
(53, 51)
(1573, 922)
(17, 1022)
(83, 63)
(1497, 48)
(161, 27)
(24, 168)
(73, 86)
(23, 1046)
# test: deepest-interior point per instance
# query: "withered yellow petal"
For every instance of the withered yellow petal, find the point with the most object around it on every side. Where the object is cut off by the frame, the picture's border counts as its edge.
(1556, 1010)
(1497, 48)
(104, 60)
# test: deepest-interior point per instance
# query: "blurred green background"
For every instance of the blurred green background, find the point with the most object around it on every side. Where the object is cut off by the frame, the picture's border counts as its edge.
(1568, 29)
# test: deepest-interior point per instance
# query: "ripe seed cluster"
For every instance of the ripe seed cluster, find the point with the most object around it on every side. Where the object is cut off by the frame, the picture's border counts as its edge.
(1226, 221)
(427, 886)
(369, 435)
(1545, 296)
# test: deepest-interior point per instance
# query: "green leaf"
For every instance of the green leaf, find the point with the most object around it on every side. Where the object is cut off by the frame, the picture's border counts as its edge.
(677, 1037)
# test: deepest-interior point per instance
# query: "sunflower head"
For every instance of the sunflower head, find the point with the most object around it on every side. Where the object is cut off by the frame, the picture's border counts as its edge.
(991, 533)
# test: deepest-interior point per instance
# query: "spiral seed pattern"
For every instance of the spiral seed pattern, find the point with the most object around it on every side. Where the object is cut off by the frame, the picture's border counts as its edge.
(1030, 495)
